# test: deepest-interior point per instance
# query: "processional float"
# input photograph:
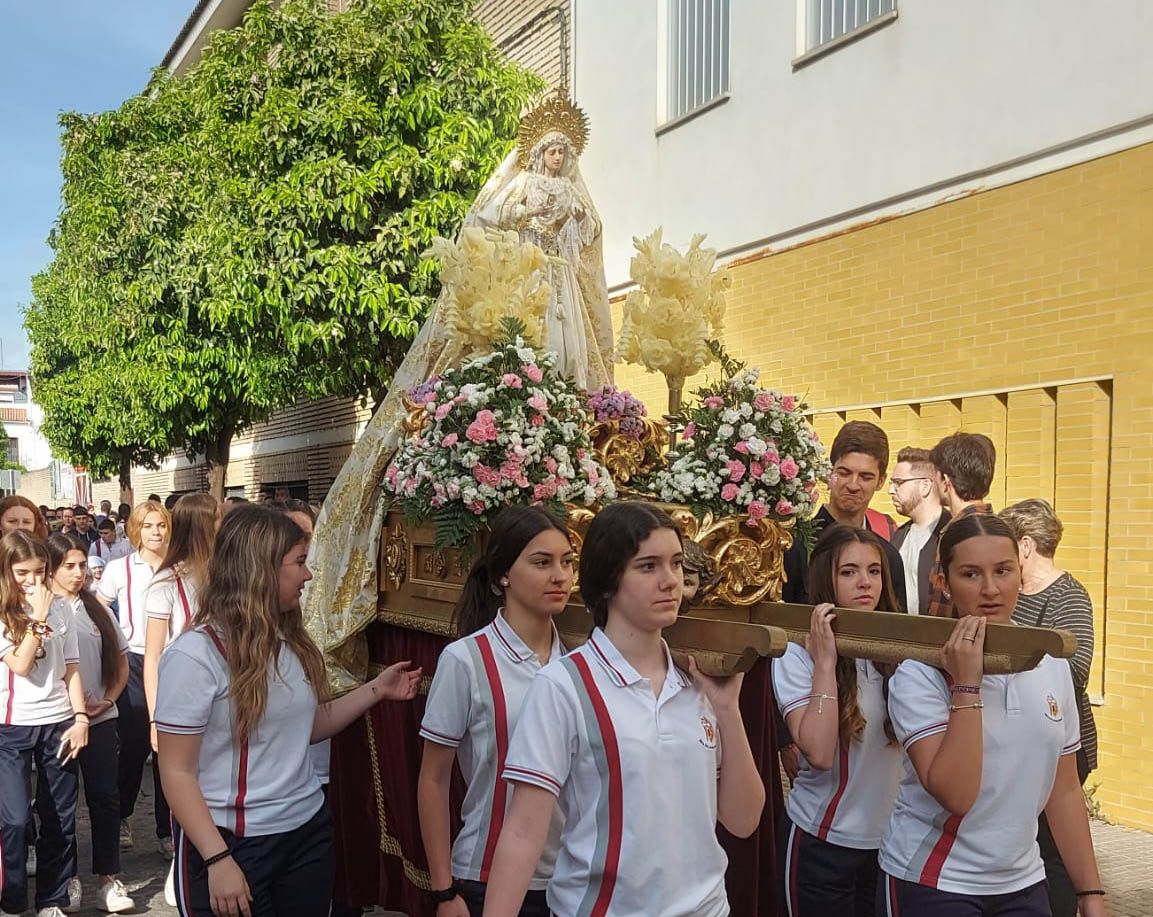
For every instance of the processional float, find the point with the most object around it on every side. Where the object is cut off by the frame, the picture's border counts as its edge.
(506, 396)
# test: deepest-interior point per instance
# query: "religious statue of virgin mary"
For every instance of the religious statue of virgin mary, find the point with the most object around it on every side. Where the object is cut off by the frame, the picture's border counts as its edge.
(539, 193)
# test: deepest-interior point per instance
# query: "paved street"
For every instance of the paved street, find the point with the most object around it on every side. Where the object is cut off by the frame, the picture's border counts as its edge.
(1126, 858)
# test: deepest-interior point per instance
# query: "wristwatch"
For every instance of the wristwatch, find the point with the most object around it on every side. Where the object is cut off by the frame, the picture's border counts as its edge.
(440, 896)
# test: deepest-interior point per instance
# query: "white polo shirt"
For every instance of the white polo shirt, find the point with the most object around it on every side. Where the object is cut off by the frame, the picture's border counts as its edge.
(171, 598)
(90, 645)
(126, 581)
(263, 784)
(849, 804)
(1030, 720)
(474, 705)
(40, 697)
(636, 778)
(121, 547)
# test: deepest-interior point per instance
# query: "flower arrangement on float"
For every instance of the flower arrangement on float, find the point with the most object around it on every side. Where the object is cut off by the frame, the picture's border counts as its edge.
(500, 428)
(489, 276)
(609, 404)
(678, 305)
(745, 449)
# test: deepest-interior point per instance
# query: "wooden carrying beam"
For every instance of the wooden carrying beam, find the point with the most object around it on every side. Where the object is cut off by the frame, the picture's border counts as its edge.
(885, 637)
(719, 647)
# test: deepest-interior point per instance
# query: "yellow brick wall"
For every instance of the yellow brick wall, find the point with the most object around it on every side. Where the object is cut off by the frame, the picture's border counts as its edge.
(983, 313)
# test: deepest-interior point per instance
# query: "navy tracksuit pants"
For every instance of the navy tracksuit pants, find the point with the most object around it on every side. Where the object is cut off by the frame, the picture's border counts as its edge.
(56, 808)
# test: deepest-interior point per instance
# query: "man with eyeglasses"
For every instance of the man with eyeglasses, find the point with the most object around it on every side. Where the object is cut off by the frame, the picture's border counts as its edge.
(913, 490)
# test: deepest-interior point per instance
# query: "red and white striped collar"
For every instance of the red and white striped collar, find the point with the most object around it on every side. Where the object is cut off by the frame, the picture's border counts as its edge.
(619, 669)
(515, 648)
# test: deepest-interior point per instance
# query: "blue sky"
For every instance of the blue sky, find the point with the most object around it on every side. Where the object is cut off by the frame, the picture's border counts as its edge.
(60, 55)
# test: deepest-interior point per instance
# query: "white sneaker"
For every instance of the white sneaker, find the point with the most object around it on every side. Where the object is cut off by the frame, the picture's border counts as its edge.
(113, 898)
(170, 886)
(75, 895)
(50, 912)
(125, 834)
(30, 863)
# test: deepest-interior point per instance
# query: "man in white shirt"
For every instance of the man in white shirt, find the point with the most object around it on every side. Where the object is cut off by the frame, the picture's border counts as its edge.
(913, 489)
(109, 545)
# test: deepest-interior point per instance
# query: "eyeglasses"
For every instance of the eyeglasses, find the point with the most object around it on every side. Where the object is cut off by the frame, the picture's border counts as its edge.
(897, 483)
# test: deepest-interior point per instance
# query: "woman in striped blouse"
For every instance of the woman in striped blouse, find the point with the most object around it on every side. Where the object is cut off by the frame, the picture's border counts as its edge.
(1051, 597)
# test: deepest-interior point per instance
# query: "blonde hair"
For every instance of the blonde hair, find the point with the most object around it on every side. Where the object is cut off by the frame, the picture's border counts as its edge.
(241, 602)
(136, 520)
(1036, 519)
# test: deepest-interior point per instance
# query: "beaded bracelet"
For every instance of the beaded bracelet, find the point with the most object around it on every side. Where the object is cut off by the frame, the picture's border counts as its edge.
(41, 630)
(977, 706)
(820, 699)
(965, 689)
(223, 855)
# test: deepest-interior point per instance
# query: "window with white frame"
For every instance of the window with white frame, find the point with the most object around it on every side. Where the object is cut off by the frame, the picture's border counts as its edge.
(698, 54)
(827, 20)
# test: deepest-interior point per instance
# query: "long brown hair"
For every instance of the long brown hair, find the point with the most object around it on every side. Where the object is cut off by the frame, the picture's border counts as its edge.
(823, 563)
(191, 539)
(512, 529)
(58, 548)
(15, 548)
(241, 603)
(40, 526)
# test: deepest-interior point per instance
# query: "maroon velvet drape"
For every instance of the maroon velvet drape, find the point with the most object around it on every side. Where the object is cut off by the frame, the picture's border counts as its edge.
(751, 880)
(368, 876)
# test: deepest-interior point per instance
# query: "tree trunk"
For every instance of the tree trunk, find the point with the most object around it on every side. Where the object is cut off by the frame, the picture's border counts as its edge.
(126, 495)
(216, 458)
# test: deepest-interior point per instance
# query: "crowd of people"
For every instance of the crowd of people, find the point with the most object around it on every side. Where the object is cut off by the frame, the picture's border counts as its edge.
(596, 776)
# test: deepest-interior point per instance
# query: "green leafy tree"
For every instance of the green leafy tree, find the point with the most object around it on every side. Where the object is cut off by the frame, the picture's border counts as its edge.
(6, 464)
(250, 234)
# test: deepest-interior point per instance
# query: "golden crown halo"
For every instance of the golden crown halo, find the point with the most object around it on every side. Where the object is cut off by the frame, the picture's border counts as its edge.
(556, 113)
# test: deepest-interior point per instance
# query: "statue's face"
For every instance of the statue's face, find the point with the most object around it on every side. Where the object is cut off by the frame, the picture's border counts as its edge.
(554, 158)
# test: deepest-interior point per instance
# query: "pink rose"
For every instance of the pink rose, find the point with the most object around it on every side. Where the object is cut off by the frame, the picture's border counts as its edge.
(736, 471)
(764, 401)
(450, 440)
(483, 429)
(442, 411)
(788, 402)
(729, 492)
(789, 469)
(533, 372)
(689, 431)
(477, 506)
(757, 510)
(784, 507)
(742, 447)
(714, 402)
(544, 490)
(772, 458)
(511, 380)
(756, 469)
(538, 403)
(550, 464)
(537, 420)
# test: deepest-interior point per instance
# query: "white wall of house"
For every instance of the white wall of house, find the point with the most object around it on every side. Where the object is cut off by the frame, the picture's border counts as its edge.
(936, 101)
